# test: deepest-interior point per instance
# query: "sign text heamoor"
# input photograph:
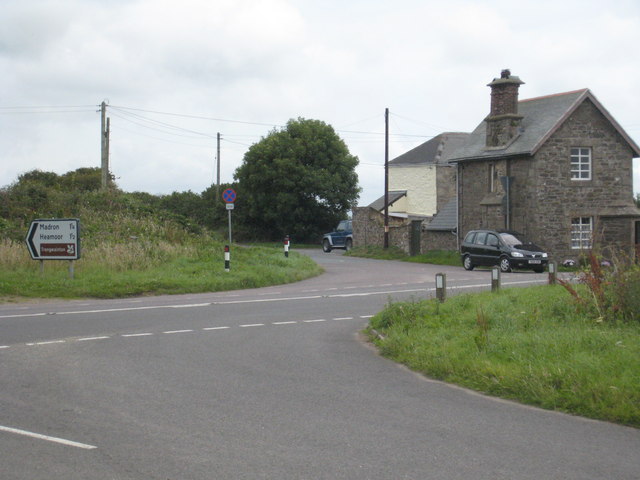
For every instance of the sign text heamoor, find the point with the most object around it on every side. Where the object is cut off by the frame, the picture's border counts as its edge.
(54, 239)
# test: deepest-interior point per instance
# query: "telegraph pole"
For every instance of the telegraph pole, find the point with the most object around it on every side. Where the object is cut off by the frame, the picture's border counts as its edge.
(386, 178)
(104, 144)
(218, 167)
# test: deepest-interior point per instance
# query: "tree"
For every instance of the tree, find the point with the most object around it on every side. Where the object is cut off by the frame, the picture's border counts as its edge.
(297, 181)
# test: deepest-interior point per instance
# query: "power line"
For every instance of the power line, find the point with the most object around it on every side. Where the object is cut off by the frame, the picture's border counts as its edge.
(199, 117)
(157, 122)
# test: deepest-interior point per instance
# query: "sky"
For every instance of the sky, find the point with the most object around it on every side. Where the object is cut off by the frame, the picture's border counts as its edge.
(174, 74)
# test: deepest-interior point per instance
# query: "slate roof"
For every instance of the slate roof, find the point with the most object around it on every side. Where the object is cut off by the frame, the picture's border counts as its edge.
(542, 116)
(438, 150)
(394, 196)
(446, 219)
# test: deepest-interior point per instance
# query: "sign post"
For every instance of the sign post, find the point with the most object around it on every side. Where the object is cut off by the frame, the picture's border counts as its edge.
(229, 196)
(54, 239)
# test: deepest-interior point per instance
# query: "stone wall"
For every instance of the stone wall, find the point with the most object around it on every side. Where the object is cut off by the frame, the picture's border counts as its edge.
(368, 229)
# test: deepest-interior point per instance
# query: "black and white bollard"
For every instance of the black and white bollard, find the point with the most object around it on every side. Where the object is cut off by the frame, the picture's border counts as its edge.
(286, 245)
(553, 271)
(227, 258)
(495, 279)
(441, 287)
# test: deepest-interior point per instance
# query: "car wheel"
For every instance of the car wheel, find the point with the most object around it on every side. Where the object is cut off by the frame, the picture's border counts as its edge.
(348, 244)
(326, 247)
(505, 265)
(467, 263)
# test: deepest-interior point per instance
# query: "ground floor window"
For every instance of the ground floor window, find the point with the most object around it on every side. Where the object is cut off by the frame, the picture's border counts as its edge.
(581, 232)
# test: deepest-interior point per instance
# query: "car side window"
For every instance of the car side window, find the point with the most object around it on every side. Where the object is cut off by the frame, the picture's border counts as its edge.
(469, 238)
(480, 238)
(492, 240)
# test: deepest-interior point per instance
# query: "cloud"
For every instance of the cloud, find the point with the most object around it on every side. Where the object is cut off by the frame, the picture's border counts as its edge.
(257, 63)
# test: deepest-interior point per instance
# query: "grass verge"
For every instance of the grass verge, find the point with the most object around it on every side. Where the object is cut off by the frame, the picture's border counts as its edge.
(148, 268)
(524, 344)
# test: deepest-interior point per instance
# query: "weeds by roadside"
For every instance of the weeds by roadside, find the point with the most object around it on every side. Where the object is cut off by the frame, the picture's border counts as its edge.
(611, 292)
(525, 344)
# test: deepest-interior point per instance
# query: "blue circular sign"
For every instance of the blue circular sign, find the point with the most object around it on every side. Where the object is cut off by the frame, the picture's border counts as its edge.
(229, 195)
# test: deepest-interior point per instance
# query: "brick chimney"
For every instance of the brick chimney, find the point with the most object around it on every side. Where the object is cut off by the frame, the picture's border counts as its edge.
(503, 122)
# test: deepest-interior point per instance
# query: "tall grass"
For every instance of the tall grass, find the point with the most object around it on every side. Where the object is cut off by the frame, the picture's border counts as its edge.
(147, 267)
(529, 345)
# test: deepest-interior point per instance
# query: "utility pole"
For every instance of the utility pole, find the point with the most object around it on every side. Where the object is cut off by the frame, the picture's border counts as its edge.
(386, 178)
(218, 168)
(104, 144)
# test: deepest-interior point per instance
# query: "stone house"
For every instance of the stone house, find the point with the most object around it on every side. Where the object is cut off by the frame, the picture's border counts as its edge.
(422, 183)
(556, 168)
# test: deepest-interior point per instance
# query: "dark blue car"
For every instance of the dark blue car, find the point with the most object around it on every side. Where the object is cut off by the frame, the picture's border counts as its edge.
(341, 238)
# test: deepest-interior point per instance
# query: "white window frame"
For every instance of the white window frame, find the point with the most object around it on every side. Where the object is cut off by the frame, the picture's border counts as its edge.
(492, 177)
(581, 233)
(581, 163)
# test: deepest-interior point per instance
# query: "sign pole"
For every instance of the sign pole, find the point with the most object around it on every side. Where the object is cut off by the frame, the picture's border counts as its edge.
(229, 196)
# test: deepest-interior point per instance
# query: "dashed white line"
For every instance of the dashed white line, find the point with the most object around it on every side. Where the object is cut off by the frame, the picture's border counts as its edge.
(50, 342)
(47, 438)
(148, 334)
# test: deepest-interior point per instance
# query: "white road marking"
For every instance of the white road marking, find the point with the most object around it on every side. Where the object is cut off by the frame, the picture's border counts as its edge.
(47, 438)
(191, 305)
(283, 299)
(147, 334)
(46, 343)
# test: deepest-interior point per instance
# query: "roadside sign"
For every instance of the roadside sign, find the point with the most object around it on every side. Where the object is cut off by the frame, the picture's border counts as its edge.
(229, 206)
(229, 195)
(54, 239)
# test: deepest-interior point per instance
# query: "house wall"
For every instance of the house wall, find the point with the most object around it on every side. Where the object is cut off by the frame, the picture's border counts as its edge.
(420, 183)
(446, 184)
(478, 207)
(557, 198)
(543, 196)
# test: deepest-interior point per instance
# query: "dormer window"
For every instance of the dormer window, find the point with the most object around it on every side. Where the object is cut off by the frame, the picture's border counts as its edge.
(581, 163)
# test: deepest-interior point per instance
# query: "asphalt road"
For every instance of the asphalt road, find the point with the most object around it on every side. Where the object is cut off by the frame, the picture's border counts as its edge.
(271, 383)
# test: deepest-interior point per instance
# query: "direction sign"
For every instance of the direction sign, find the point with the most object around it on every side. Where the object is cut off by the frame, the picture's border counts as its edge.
(54, 239)
(229, 195)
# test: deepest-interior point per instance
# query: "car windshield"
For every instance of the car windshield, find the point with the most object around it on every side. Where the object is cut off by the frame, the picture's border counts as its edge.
(511, 240)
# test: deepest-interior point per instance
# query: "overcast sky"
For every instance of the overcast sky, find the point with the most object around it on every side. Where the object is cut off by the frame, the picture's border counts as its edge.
(175, 73)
